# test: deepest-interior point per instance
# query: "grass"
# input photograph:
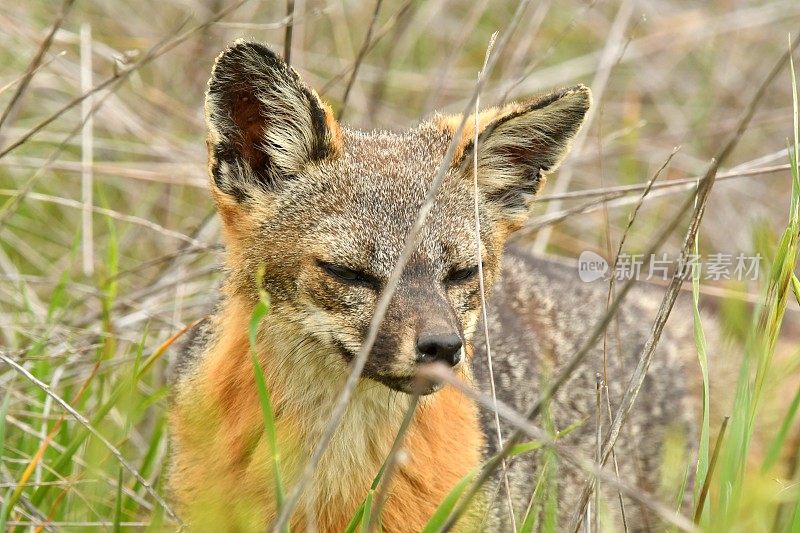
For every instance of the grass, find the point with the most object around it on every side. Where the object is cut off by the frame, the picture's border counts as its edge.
(103, 341)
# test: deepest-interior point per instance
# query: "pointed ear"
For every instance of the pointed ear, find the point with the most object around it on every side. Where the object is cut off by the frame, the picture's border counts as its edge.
(264, 124)
(517, 144)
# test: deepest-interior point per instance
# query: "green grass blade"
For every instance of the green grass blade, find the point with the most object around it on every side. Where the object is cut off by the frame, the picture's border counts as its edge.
(447, 505)
(796, 134)
(356, 520)
(550, 496)
(525, 447)
(4, 509)
(759, 351)
(65, 457)
(780, 439)
(531, 519)
(259, 312)
(570, 428)
(702, 357)
(3, 413)
(118, 505)
(367, 514)
(681, 492)
(269, 428)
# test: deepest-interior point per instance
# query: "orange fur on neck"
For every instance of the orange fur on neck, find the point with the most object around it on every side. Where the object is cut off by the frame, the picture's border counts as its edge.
(222, 470)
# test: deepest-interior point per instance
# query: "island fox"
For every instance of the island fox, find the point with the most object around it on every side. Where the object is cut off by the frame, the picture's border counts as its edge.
(323, 211)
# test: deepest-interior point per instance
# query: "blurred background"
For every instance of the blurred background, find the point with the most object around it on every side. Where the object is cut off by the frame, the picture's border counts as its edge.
(108, 242)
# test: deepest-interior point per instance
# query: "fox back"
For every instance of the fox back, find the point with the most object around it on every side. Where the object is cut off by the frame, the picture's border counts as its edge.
(317, 215)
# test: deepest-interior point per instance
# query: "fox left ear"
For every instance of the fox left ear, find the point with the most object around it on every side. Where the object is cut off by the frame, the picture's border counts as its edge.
(517, 144)
(264, 124)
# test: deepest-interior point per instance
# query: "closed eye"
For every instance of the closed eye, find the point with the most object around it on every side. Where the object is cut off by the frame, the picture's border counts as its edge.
(347, 275)
(461, 275)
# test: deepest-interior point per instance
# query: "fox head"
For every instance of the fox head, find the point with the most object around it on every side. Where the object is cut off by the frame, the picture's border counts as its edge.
(324, 210)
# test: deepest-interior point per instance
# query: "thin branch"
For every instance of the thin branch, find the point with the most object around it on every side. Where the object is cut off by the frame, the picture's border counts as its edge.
(378, 36)
(701, 198)
(458, 43)
(532, 226)
(707, 482)
(615, 198)
(623, 515)
(13, 82)
(570, 367)
(565, 32)
(382, 303)
(8, 208)
(390, 464)
(404, 19)
(683, 184)
(87, 151)
(37, 59)
(287, 38)
(133, 219)
(156, 51)
(632, 218)
(443, 374)
(365, 47)
(294, 20)
(479, 255)
(608, 60)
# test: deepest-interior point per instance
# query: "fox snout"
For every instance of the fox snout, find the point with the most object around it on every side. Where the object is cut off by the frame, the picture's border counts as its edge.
(419, 329)
(438, 334)
(437, 347)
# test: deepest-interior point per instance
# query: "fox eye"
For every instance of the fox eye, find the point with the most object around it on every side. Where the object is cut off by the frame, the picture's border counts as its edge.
(459, 275)
(347, 275)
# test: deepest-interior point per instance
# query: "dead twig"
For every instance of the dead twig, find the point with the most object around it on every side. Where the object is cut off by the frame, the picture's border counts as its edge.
(608, 60)
(683, 184)
(567, 370)
(390, 465)
(526, 427)
(482, 288)
(382, 304)
(133, 219)
(34, 64)
(375, 40)
(699, 200)
(287, 36)
(160, 48)
(701, 501)
(365, 46)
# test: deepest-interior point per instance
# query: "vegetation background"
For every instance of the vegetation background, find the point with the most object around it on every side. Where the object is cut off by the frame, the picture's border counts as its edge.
(109, 246)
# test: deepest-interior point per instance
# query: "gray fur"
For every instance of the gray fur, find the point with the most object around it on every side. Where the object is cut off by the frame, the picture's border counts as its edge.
(540, 314)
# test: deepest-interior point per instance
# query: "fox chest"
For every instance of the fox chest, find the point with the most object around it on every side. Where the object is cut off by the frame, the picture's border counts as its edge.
(441, 446)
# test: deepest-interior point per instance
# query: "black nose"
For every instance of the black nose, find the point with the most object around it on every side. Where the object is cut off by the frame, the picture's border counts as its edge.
(444, 348)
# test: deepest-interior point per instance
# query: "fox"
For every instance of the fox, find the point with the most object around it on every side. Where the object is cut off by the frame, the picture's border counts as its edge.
(316, 214)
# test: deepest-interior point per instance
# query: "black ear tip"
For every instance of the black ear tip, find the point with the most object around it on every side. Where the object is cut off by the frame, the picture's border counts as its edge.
(252, 48)
(576, 97)
(246, 55)
(581, 94)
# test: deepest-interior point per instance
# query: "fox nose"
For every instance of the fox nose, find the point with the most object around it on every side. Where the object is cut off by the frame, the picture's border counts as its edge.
(444, 348)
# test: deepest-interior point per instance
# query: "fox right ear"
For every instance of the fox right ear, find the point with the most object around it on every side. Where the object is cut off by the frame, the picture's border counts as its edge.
(264, 124)
(518, 144)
